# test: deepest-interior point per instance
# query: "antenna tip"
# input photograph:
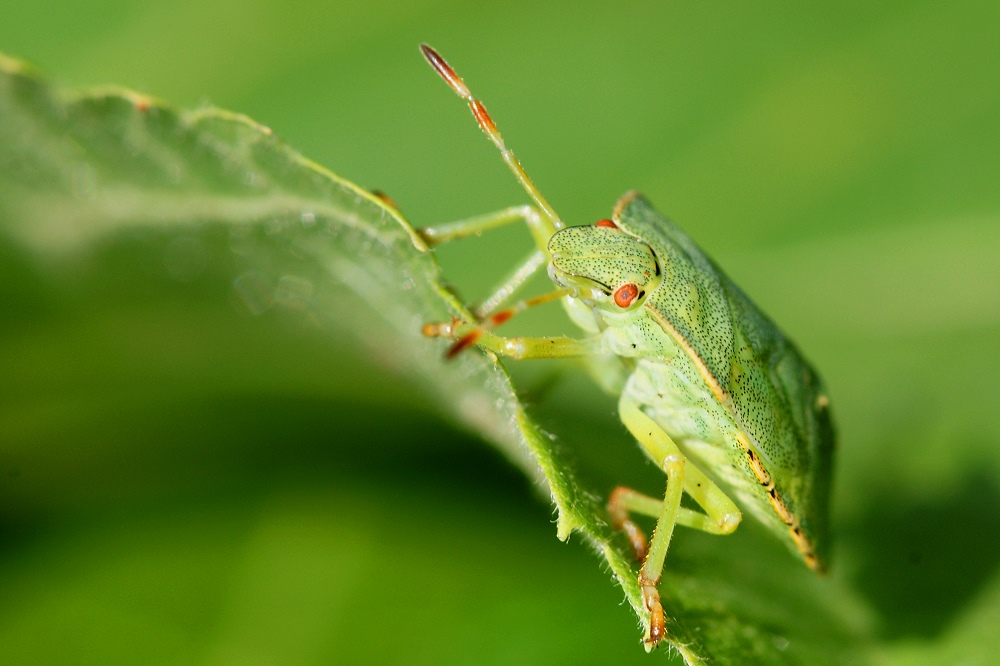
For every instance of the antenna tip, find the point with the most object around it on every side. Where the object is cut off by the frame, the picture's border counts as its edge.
(445, 71)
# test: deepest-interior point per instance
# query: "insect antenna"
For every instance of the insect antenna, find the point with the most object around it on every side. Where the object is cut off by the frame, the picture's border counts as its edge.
(486, 123)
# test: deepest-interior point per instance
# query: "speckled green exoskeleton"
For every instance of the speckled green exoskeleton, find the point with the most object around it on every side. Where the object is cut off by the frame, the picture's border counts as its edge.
(707, 382)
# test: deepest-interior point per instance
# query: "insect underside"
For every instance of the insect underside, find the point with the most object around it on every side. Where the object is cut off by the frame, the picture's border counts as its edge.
(706, 382)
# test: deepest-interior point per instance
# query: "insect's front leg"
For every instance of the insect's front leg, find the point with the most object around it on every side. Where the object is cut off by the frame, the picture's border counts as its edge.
(466, 334)
(541, 227)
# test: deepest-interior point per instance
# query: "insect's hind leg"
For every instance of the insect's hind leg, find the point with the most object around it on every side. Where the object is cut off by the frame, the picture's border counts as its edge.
(663, 449)
(721, 514)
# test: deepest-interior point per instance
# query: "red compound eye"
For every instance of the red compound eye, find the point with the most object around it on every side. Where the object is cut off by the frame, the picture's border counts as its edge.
(626, 294)
(606, 223)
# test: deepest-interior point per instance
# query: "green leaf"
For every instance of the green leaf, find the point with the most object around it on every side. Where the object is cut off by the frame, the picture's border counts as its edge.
(118, 185)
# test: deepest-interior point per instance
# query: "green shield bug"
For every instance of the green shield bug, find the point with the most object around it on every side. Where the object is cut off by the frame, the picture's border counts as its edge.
(714, 393)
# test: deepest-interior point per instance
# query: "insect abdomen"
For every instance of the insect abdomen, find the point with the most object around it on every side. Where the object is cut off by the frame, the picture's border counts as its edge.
(677, 398)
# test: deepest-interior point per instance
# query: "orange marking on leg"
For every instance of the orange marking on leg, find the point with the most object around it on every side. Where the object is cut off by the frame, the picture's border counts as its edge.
(501, 317)
(657, 625)
(657, 621)
(466, 340)
(616, 510)
(636, 539)
(620, 521)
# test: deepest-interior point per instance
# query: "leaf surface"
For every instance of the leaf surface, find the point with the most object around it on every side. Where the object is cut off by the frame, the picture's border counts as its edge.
(112, 183)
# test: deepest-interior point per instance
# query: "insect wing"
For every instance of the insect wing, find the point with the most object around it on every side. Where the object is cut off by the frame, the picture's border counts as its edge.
(772, 393)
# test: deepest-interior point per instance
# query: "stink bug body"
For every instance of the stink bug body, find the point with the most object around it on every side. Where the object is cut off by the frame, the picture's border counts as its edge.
(705, 380)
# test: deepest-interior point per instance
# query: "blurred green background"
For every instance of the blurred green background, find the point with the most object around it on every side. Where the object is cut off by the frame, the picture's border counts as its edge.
(181, 485)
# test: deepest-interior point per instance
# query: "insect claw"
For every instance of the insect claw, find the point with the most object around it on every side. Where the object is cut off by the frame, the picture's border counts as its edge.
(657, 621)
(657, 629)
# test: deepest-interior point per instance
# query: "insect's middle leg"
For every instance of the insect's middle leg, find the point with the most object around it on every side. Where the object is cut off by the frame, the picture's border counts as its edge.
(541, 228)
(467, 334)
(510, 285)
